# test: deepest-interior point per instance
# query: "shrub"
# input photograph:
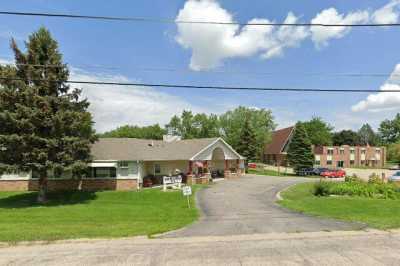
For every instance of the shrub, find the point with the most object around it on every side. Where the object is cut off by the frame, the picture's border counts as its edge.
(377, 190)
(322, 189)
(353, 178)
(375, 179)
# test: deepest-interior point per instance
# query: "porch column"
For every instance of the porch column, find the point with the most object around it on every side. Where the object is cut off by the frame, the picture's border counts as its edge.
(190, 167)
(226, 165)
(189, 178)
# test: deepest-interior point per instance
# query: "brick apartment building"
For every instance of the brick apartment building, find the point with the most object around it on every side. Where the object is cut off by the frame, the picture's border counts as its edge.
(349, 156)
(331, 157)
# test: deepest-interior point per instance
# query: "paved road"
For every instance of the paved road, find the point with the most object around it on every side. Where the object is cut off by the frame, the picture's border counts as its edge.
(247, 206)
(324, 248)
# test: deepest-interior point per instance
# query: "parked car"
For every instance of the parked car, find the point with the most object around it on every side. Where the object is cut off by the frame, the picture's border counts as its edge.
(320, 170)
(334, 173)
(394, 167)
(395, 177)
(252, 165)
(306, 171)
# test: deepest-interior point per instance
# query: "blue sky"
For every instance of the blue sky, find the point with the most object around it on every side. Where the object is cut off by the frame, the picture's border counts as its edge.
(130, 47)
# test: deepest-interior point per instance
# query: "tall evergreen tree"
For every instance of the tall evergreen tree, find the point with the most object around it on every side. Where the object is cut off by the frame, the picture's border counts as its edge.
(300, 153)
(45, 126)
(247, 145)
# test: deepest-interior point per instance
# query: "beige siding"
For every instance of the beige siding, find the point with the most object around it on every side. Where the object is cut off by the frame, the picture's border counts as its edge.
(167, 167)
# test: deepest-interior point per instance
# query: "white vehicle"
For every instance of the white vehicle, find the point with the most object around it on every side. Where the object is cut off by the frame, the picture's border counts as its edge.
(395, 177)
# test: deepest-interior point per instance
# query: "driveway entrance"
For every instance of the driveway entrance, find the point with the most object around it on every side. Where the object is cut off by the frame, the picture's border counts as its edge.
(247, 206)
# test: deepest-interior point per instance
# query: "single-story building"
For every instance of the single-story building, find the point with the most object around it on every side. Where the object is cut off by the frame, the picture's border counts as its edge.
(124, 164)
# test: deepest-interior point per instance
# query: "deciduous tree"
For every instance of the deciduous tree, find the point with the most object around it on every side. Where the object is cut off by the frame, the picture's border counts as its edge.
(346, 137)
(389, 130)
(318, 131)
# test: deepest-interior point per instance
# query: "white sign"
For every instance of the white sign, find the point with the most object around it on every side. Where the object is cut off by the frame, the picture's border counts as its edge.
(187, 191)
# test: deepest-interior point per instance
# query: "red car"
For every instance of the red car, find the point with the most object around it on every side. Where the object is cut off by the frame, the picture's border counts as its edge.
(334, 173)
(252, 165)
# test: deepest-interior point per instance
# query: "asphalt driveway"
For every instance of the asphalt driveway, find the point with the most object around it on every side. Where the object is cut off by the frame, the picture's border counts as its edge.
(248, 206)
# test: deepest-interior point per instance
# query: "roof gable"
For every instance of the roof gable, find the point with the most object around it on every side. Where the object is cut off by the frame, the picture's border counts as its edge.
(207, 152)
(280, 138)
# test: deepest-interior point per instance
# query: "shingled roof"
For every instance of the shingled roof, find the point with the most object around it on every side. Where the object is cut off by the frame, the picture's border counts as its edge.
(279, 140)
(121, 149)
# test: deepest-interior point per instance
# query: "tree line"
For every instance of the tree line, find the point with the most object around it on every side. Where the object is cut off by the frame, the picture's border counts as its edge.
(246, 129)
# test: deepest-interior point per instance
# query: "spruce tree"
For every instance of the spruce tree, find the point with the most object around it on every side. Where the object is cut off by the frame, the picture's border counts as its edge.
(247, 145)
(300, 153)
(45, 126)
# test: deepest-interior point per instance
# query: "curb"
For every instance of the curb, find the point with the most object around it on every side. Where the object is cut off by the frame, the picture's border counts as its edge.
(209, 239)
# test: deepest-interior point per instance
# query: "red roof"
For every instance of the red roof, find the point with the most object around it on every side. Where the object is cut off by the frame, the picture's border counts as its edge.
(279, 139)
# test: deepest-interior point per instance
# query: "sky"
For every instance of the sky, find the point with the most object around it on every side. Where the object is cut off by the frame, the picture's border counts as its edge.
(221, 55)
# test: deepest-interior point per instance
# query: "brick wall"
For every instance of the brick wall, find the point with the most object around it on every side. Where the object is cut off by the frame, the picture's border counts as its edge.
(345, 156)
(70, 184)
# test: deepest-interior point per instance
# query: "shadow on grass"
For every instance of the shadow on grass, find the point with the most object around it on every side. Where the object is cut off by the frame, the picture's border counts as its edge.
(27, 200)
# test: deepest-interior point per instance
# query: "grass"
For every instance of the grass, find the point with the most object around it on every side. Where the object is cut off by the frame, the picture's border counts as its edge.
(93, 215)
(377, 213)
(267, 172)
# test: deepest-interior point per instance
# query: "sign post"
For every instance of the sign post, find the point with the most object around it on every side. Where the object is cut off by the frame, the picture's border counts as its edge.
(187, 191)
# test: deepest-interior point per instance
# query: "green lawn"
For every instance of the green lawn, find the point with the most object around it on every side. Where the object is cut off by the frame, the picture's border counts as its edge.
(377, 213)
(267, 172)
(93, 215)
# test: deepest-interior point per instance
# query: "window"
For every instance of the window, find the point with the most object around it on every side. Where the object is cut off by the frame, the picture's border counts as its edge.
(104, 172)
(352, 162)
(341, 151)
(133, 170)
(123, 164)
(157, 169)
(123, 168)
(318, 162)
(362, 162)
(352, 151)
(330, 151)
(362, 151)
(340, 164)
(329, 162)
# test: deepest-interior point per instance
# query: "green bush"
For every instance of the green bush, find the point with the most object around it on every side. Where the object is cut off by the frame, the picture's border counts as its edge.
(322, 189)
(353, 178)
(374, 189)
(375, 179)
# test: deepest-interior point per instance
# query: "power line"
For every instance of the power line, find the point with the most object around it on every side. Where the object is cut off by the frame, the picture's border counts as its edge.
(180, 86)
(252, 73)
(173, 21)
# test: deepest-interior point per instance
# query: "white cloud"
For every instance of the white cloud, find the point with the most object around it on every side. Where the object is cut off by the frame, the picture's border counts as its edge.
(321, 35)
(211, 44)
(382, 101)
(113, 106)
(387, 14)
